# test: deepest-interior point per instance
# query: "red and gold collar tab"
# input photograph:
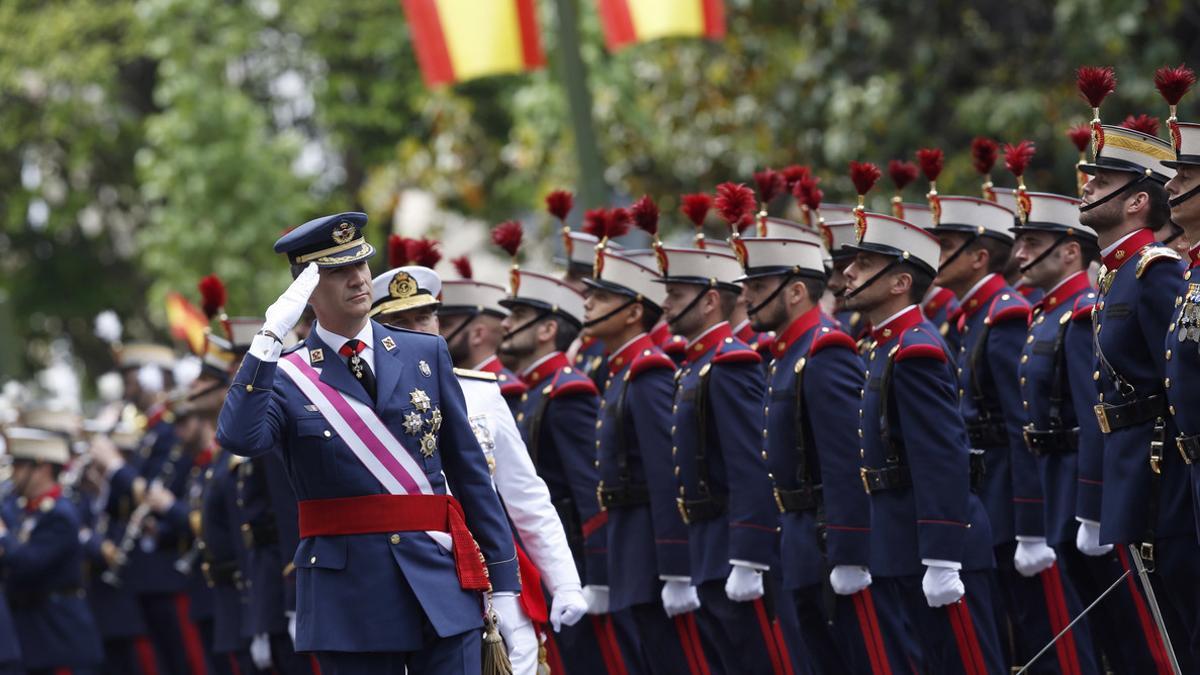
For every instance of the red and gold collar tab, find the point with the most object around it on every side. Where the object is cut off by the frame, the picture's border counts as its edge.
(661, 333)
(1128, 248)
(709, 341)
(629, 352)
(1070, 286)
(986, 291)
(795, 330)
(892, 329)
(34, 504)
(1194, 256)
(547, 369)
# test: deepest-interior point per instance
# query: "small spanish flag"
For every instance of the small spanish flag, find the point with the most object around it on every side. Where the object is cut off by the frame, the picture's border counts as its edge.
(628, 22)
(458, 40)
(186, 322)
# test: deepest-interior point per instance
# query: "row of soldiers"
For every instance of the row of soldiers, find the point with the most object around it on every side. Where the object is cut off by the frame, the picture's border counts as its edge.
(938, 473)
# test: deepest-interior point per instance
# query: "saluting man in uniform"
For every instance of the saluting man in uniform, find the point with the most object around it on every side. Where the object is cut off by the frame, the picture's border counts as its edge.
(373, 428)
(542, 545)
(41, 559)
(931, 546)
(1146, 498)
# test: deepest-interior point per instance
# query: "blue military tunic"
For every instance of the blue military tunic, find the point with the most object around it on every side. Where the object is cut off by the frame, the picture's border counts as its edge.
(375, 592)
(42, 561)
(724, 491)
(592, 360)
(940, 306)
(267, 526)
(1182, 356)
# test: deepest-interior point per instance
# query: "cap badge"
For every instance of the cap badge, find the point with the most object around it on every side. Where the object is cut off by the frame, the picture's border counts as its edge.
(343, 232)
(827, 236)
(424, 368)
(402, 285)
(860, 224)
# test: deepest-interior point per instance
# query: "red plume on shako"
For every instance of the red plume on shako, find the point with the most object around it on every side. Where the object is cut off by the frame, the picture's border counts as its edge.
(559, 203)
(930, 160)
(1173, 84)
(1095, 83)
(696, 207)
(902, 174)
(864, 175)
(1016, 160)
(984, 152)
(734, 203)
(507, 236)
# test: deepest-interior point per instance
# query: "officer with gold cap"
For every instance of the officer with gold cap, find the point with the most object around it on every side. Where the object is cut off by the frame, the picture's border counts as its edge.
(41, 558)
(931, 546)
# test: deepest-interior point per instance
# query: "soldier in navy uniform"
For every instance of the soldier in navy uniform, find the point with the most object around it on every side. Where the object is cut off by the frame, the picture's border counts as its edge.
(373, 430)
(976, 244)
(1146, 501)
(724, 492)
(931, 545)
(1054, 251)
(838, 236)
(809, 444)
(648, 565)
(41, 559)
(557, 419)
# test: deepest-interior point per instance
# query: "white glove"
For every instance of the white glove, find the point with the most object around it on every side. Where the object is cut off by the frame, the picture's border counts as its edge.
(517, 631)
(596, 598)
(849, 579)
(282, 316)
(1033, 556)
(1087, 539)
(744, 584)
(291, 617)
(568, 607)
(260, 651)
(679, 597)
(942, 586)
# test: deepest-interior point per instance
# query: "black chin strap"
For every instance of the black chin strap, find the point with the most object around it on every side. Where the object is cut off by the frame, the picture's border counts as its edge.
(959, 251)
(606, 317)
(461, 327)
(787, 278)
(1044, 254)
(875, 277)
(1184, 197)
(690, 306)
(527, 325)
(1084, 208)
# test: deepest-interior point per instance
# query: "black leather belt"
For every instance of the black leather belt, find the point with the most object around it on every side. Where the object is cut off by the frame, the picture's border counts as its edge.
(1189, 447)
(796, 501)
(34, 599)
(1043, 443)
(628, 494)
(1113, 417)
(887, 478)
(989, 433)
(699, 510)
(260, 534)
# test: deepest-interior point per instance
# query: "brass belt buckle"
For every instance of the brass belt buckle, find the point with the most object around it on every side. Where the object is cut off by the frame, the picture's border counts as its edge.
(862, 473)
(778, 500)
(1102, 418)
(1156, 456)
(1182, 450)
(1025, 435)
(600, 495)
(1146, 550)
(683, 510)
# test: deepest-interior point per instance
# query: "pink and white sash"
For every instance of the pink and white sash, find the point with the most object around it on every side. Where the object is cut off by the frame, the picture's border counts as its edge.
(360, 428)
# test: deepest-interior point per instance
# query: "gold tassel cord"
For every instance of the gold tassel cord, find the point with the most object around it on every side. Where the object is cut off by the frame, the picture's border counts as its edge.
(495, 656)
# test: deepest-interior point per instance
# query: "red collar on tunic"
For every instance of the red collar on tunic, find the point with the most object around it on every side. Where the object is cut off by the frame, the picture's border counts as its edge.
(795, 330)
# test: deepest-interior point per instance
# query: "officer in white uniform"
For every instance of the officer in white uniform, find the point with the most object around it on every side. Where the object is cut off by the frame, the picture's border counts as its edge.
(408, 298)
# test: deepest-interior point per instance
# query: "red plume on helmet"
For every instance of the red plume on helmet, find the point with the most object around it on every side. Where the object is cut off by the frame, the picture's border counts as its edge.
(984, 152)
(213, 297)
(931, 160)
(807, 193)
(902, 173)
(1095, 83)
(594, 222)
(462, 265)
(645, 215)
(792, 175)
(696, 207)
(733, 201)
(1146, 124)
(617, 223)
(1172, 84)
(1081, 136)
(397, 251)
(864, 175)
(559, 203)
(770, 184)
(1016, 160)
(507, 236)
(423, 252)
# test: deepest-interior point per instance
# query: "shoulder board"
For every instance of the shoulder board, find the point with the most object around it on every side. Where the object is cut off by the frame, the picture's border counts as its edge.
(580, 386)
(1010, 313)
(1084, 304)
(744, 355)
(1153, 255)
(650, 360)
(475, 374)
(833, 338)
(921, 351)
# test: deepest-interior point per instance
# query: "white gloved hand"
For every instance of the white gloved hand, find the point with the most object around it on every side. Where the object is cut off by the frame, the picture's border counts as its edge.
(260, 651)
(744, 584)
(849, 579)
(942, 586)
(567, 607)
(282, 316)
(1087, 539)
(596, 598)
(517, 630)
(679, 597)
(1033, 556)
(291, 617)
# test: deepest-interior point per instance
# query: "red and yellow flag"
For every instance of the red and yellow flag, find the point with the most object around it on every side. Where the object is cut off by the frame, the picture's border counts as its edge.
(628, 22)
(458, 40)
(186, 322)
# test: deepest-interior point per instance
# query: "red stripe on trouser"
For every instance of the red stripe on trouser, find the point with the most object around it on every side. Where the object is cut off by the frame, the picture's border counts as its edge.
(784, 654)
(193, 648)
(764, 625)
(62, 671)
(234, 666)
(316, 665)
(686, 643)
(694, 632)
(1056, 608)
(609, 650)
(869, 603)
(968, 625)
(1158, 651)
(144, 652)
(868, 623)
(553, 656)
(961, 637)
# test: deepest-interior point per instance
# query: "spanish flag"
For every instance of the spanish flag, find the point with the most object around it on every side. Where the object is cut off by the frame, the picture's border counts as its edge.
(628, 22)
(186, 322)
(458, 40)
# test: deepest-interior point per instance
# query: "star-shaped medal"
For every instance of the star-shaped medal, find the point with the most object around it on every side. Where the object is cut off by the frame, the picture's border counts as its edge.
(435, 420)
(419, 399)
(428, 444)
(413, 423)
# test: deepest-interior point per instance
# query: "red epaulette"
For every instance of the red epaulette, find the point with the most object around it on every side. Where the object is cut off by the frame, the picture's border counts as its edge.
(581, 385)
(832, 338)
(919, 351)
(763, 344)
(1083, 307)
(675, 345)
(739, 353)
(513, 388)
(649, 360)
(1010, 313)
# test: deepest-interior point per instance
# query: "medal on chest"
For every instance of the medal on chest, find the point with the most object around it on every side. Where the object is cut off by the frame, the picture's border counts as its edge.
(1188, 329)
